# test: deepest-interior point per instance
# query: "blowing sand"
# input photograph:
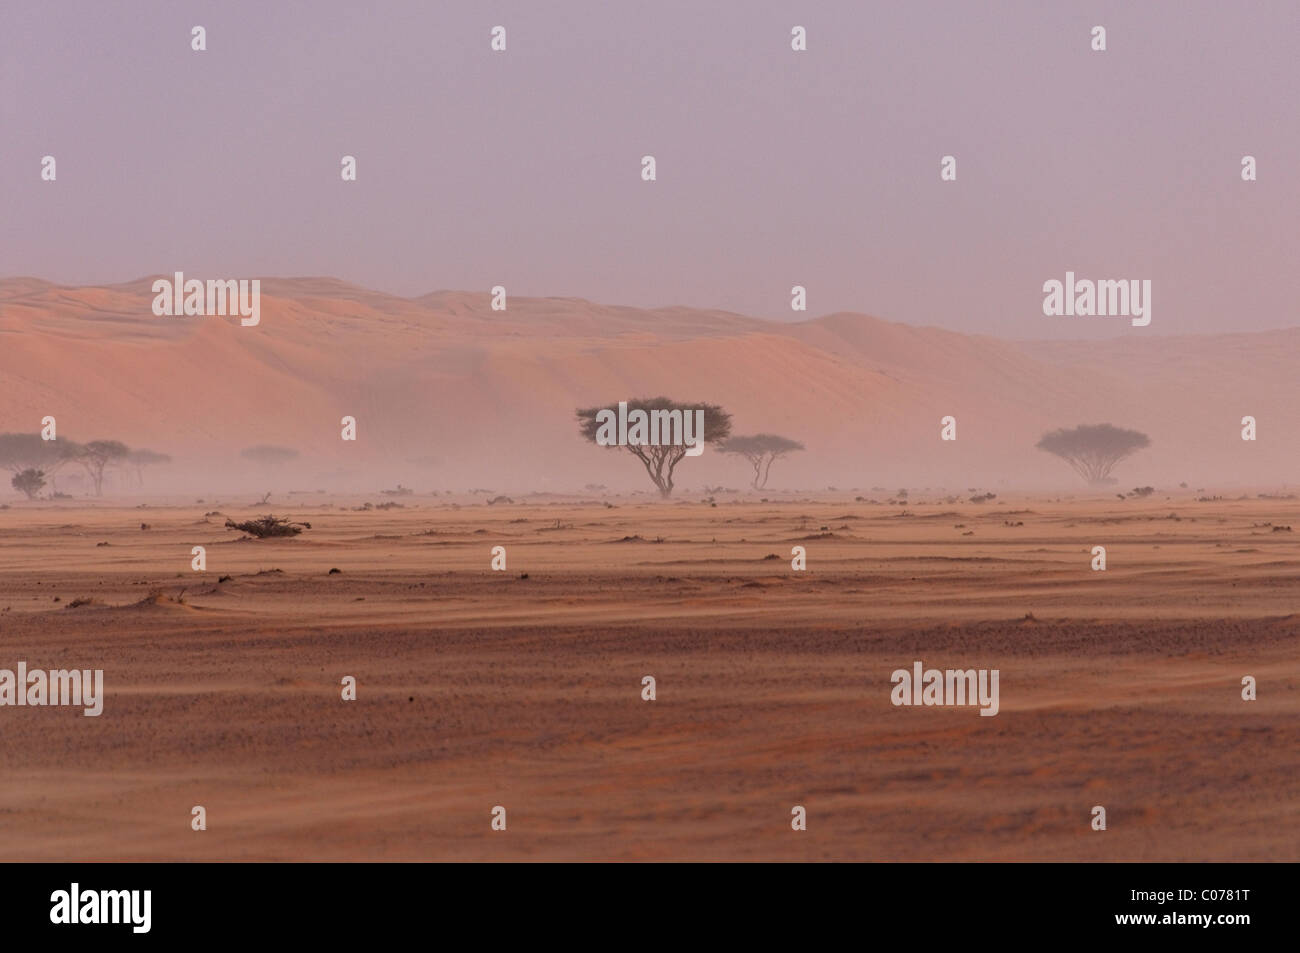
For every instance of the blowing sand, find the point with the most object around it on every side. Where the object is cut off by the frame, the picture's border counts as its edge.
(478, 688)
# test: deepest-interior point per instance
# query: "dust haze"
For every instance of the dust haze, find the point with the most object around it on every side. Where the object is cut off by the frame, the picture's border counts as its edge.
(451, 397)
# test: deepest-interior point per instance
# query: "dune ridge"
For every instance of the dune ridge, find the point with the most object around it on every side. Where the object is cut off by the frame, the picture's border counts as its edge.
(490, 395)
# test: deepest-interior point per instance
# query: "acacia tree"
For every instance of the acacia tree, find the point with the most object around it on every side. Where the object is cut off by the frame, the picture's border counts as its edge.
(29, 451)
(1093, 449)
(97, 455)
(760, 450)
(659, 459)
(268, 455)
(145, 458)
(29, 482)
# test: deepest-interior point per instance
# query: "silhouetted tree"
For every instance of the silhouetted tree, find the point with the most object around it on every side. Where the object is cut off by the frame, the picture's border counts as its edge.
(28, 451)
(760, 450)
(268, 455)
(30, 482)
(145, 458)
(97, 455)
(660, 460)
(1093, 449)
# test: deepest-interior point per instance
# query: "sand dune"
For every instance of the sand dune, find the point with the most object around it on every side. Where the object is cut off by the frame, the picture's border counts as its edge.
(490, 395)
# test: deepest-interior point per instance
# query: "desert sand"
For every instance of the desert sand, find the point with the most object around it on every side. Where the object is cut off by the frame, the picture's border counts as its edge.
(522, 688)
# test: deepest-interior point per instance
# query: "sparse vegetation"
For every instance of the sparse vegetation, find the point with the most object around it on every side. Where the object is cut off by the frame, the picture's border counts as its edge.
(29, 482)
(660, 461)
(760, 450)
(268, 526)
(29, 451)
(268, 455)
(1093, 450)
(145, 458)
(97, 455)
(158, 598)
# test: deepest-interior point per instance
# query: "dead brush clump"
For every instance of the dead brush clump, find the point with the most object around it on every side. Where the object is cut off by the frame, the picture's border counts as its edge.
(157, 597)
(268, 527)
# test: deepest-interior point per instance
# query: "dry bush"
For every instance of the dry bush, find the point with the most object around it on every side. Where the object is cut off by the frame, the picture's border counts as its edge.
(268, 526)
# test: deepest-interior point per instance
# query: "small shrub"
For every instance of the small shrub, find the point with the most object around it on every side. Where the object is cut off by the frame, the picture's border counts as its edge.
(268, 526)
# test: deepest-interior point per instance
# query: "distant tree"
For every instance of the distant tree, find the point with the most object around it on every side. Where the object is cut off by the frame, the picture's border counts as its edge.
(660, 460)
(1093, 449)
(760, 450)
(30, 482)
(145, 458)
(268, 455)
(28, 451)
(18, 451)
(97, 455)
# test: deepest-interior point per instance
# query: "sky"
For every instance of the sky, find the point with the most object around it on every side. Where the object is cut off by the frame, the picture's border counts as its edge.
(774, 167)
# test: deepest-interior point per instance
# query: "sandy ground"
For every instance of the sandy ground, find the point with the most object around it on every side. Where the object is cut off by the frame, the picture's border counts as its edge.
(479, 688)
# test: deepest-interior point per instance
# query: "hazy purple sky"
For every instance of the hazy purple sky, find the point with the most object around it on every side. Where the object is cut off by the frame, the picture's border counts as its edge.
(775, 168)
